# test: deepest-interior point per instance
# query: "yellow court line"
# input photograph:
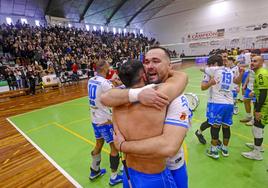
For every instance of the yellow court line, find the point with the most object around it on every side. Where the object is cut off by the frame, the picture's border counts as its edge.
(75, 121)
(185, 150)
(6, 161)
(79, 136)
(235, 133)
(40, 127)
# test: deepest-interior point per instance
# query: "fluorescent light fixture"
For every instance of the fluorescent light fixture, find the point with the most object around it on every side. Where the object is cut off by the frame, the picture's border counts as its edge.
(9, 20)
(69, 25)
(125, 30)
(119, 30)
(141, 31)
(87, 27)
(37, 23)
(107, 29)
(114, 30)
(94, 28)
(101, 28)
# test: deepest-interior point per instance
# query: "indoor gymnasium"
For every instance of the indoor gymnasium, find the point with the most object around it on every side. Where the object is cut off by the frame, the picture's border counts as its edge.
(138, 94)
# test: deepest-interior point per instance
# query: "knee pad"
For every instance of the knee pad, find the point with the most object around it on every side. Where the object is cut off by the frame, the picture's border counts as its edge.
(214, 131)
(114, 162)
(226, 132)
(257, 132)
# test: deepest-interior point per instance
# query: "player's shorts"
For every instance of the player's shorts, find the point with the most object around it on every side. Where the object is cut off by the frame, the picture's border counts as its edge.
(103, 131)
(180, 176)
(208, 108)
(244, 77)
(221, 114)
(142, 180)
(234, 94)
(246, 95)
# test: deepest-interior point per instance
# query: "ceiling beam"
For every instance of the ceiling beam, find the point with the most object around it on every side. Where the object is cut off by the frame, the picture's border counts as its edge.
(139, 11)
(85, 10)
(47, 7)
(115, 11)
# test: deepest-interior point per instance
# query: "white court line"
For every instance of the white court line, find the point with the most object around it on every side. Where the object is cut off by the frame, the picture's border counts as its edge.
(47, 107)
(70, 178)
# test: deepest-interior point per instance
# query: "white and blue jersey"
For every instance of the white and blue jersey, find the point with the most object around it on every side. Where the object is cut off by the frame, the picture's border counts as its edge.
(97, 86)
(178, 113)
(100, 114)
(221, 109)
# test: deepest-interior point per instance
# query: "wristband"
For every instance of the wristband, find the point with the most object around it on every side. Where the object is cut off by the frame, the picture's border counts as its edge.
(120, 146)
(134, 93)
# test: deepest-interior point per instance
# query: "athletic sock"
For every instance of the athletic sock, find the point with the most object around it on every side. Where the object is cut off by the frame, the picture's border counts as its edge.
(113, 175)
(96, 159)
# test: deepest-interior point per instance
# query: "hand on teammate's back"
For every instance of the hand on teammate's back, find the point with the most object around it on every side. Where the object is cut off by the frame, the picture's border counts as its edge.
(153, 98)
(118, 139)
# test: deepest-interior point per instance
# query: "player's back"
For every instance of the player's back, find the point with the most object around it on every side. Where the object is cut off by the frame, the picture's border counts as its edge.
(222, 91)
(96, 86)
(136, 122)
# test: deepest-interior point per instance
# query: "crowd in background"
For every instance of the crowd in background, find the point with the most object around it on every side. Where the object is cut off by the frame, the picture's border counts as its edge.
(38, 51)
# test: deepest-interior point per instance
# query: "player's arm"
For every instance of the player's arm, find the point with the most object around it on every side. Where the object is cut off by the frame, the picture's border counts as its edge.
(238, 79)
(174, 85)
(206, 85)
(167, 144)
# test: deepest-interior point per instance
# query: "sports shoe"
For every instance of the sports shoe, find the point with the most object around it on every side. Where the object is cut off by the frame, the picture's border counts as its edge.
(116, 180)
(200, 137)
(235, 110)
(95, 174)
(213, 154)
(224, 152)
(251, 146)
(245, 120)
(250, 123)
(255, 155)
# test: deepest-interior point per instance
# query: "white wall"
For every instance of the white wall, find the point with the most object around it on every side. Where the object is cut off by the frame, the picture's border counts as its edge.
(191, 16)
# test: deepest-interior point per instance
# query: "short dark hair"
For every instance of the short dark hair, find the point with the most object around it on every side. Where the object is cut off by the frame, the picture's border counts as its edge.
(162, 48)
(100, 64)
(129, 72)
(215, 59)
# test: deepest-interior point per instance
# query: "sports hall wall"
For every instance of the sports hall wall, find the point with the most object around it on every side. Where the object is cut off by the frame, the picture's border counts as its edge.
(203, 25)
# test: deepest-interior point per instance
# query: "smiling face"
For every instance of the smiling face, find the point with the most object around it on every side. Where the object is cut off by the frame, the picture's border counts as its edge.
(156, 65)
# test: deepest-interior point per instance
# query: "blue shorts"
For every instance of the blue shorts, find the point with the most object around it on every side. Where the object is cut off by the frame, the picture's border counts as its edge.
(104, 131)
(208, 109)
(221, 114)
(244, 77)
(180, 176)
(246, 95)
(142, 180)
(234, 94)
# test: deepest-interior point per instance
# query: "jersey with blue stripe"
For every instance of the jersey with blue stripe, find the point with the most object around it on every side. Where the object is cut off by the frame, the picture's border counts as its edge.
(96, 86)
(235, 70)
(178, 113)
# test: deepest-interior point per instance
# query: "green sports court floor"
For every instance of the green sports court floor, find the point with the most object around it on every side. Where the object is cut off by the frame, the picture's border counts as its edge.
(64, 135)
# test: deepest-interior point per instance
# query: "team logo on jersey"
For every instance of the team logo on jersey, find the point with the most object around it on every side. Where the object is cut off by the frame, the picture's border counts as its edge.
(183, 116)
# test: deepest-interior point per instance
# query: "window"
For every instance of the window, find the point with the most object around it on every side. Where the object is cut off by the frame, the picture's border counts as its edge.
(9, 20)
(125, 30)
(101, 28)
(141, 31)
(23, 20)
(114, 30)
(119, 30)
(87, 27)
(37, 23)
(69, 25)
(107, 29)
